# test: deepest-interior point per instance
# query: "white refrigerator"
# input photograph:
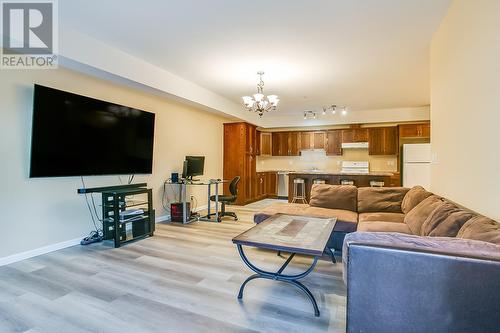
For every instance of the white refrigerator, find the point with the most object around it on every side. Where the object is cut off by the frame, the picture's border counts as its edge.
(417, 165)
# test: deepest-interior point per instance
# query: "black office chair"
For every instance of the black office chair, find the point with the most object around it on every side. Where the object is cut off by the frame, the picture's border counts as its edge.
(228, 199)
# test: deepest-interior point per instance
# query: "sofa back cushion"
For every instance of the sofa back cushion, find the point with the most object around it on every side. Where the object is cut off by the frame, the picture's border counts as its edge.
(334, 196)
(381, 199)
(417, 216)
(413, 197)
(445, 221)
(481, 228)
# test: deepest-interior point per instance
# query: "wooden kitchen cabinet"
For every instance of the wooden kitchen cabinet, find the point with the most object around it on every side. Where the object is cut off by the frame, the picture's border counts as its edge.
(286, 144)
(266, 185)
(257, 142)
(293, 144)
(306, 140)
(354, 135)
(312, 140)
(422, 130)
(265, 144)
(272, 184)
(319, 140)
(240, 159)
(334, 142)
(278, 144)
(260, 185)
(251, 136)
(383, 141)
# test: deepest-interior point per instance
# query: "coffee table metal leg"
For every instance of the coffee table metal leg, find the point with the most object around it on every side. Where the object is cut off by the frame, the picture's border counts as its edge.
(331, 252)
(291, 279)
(250, 278)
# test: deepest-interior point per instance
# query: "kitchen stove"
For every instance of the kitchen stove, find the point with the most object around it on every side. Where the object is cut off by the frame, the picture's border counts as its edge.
(353, 167)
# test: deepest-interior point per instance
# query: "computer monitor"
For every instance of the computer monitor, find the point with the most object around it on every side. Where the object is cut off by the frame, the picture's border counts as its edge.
(193, 166)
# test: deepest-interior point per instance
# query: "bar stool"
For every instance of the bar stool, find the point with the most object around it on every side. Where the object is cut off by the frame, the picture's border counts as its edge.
(319, 181)
(299, 190)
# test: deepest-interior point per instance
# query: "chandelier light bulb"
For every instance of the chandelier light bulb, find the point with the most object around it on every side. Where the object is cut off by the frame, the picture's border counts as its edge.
(344, 111)
(324, 111)
(258, 97)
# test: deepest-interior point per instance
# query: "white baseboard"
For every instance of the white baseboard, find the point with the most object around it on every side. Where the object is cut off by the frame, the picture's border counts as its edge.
(36, 252)
(62, 245)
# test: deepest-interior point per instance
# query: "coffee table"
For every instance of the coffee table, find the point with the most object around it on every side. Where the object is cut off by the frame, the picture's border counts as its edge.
(287, 233)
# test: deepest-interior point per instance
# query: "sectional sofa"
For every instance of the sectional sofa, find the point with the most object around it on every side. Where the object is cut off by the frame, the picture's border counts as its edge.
(413, 261)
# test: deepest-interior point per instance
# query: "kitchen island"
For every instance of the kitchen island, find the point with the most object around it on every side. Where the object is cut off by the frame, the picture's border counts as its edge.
(388, 179)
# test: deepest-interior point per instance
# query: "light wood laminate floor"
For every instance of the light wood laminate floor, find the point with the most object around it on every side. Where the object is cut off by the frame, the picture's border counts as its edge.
(184, 279)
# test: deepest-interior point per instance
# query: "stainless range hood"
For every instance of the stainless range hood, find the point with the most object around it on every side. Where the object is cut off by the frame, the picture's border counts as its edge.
(355, 145)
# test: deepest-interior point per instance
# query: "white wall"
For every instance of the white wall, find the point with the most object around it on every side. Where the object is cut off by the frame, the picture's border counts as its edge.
(465, 106)
(40, 212)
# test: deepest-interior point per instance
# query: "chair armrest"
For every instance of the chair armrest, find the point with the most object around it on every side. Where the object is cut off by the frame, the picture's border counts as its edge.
(404, 283)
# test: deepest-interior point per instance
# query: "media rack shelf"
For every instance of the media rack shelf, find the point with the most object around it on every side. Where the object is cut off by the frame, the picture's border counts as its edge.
(116, 199)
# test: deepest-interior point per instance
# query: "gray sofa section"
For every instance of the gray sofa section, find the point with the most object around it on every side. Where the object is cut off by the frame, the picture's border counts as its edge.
(405, 283)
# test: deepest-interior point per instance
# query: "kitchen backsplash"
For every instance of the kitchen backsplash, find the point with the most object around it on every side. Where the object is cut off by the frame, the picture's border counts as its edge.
(318, 159)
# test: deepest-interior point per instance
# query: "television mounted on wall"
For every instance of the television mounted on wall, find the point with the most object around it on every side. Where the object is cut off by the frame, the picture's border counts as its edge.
(75, 135)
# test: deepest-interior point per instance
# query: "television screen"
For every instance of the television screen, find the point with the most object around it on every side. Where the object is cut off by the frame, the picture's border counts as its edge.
(74, 135)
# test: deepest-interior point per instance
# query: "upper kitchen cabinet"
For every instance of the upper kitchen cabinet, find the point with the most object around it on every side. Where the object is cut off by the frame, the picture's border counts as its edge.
(319, 140)
(312, 140)
(306, 140)
(383, 141)
(293, 143)
(286, 143)
(280, 144)
(334, 142)
(354, 135)
(265, 143)
(415, 130)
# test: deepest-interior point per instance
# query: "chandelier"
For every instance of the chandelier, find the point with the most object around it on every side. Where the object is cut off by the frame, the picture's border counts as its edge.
(259, 102)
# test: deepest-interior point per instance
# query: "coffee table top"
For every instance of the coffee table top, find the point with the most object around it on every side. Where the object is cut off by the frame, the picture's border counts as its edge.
(290, 233)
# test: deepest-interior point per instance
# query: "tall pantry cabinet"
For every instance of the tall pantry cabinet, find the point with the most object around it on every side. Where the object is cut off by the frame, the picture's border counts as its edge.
(240, 151)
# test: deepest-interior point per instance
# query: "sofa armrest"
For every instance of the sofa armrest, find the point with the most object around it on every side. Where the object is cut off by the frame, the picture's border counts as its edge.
(404, 283)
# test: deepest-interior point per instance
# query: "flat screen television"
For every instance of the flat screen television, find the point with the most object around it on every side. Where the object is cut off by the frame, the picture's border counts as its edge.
(74, 135)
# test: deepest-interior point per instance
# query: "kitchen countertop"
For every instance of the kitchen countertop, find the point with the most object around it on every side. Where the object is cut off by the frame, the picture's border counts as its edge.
(333, 173)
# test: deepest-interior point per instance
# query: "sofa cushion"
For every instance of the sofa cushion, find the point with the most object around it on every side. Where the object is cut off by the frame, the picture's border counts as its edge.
(445, 221)
(373, 226)
(417, 216)
(380, 199)
(382, 217)
(481, 228)
(346, 220)
(415, 195)
(334, 196)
